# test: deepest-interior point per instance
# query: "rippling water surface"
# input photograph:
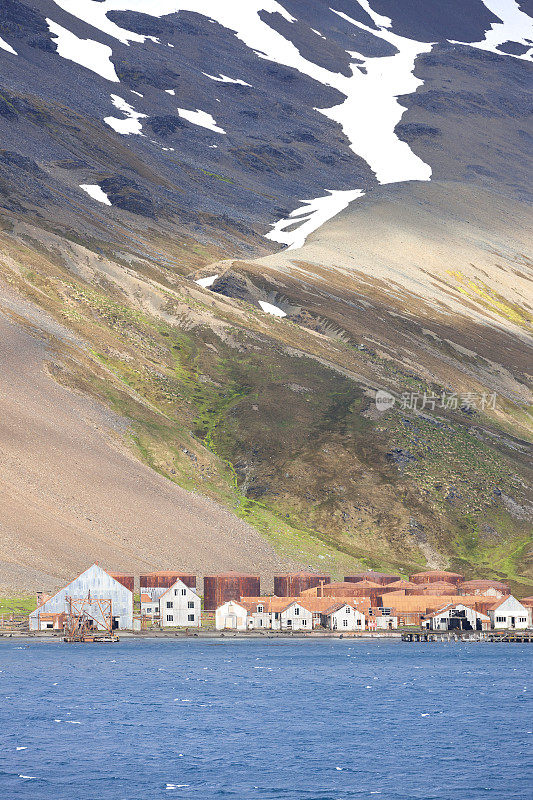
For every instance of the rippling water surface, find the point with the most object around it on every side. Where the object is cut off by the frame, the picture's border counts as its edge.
(265, 720)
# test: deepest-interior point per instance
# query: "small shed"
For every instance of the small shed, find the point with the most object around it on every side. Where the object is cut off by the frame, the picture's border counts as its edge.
(231, 616)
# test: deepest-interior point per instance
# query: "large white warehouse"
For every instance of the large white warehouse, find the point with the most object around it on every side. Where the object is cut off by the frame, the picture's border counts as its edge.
(99, 585)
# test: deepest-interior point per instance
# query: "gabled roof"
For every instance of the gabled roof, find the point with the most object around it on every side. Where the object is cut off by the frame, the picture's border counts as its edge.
(174, 586)
(145, 598)
(502, 600)
(338, 605)
(449, 606)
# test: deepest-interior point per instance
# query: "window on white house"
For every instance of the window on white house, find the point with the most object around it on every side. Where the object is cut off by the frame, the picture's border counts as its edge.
(190, 604)
(304, 622)
(169, 604)
(149, 610)
(259, 609)
(501, 619)
(170, 617)
(345, 623)
(296, 612)
(191, 617)
(522, 619)
(348, 609)
(289, 623)
(183, 592)
(358, 621)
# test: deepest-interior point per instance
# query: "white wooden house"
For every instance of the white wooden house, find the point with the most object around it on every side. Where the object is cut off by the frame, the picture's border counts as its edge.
(343, 617)
(177, 607)
(231, 616)
(180, 607)
(296, 617)
(509, 613)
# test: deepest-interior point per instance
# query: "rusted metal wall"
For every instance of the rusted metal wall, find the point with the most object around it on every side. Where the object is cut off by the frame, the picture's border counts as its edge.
(218, 589)
(166, 579)
(293, 584)
(376, 577)
(126, 580)
(436, 576)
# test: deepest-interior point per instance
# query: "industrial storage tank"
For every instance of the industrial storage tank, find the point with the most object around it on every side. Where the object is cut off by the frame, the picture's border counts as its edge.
(435, 588)
(292, 584)
(166, 578)
(383, 578)
(484, 586)
(229, 586)
(126, 580)
(436, 576)
(397, 586)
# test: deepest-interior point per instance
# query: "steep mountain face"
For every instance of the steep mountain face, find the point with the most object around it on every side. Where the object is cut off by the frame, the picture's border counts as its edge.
(350, 188)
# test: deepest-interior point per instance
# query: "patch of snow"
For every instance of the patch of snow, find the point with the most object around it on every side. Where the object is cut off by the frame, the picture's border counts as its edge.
(201, 118)
(224, 79)
(515, 26)
(94, 191)
(370, 111)
(310, 216)
(86, 52)
(7, 47)
(270, 309)
(318, 33)
(125, 126)
(206, 282)
(137, 93)
(170, 91)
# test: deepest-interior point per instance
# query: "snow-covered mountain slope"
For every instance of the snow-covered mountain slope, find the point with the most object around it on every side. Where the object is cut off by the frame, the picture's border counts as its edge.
(256, 112)
(255, 214)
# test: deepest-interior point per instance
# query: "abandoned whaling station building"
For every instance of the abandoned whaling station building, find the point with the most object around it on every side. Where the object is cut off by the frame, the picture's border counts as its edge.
(91, 587)
(178, 606)
(434, 600)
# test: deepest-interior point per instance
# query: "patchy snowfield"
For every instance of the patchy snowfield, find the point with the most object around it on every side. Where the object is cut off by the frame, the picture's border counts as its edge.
(94, 191)
(201, 118)
(86, 52)
(125, 126)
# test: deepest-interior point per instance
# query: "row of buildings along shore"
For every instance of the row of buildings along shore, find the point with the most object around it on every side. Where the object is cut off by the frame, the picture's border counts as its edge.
(302, 601)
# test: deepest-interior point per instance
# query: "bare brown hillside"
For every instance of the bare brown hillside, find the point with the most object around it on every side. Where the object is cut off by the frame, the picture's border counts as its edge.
(71, 492)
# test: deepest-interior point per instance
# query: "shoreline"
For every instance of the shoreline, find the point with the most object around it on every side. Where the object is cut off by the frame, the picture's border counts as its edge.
(210, 635)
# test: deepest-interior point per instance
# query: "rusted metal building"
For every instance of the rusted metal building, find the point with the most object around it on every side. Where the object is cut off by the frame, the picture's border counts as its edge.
(484, 587)
(435, 588)
(292, 584)
(218, 589)
(383, 578)
(156, 583)
(397, 586)
(126, 580)
(436, 576)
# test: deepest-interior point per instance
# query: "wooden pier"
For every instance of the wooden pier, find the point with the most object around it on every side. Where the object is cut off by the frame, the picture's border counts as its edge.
(518, 637)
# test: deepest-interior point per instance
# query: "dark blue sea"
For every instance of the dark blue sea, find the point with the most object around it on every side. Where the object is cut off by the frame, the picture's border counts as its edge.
(265, 720)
